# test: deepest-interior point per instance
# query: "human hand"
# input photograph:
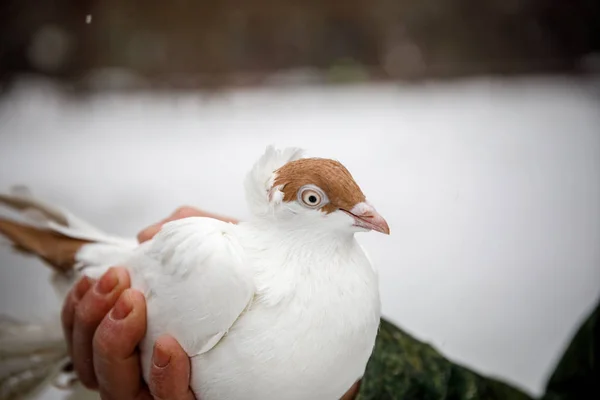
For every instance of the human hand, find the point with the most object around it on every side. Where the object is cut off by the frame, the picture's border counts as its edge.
(104, 321)
(181, 212)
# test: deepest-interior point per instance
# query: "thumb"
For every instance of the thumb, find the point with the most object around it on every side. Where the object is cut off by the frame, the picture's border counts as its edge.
(170, 372)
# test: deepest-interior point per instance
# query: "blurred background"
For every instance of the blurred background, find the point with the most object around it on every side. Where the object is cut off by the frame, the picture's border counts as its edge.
(195, 44)
(473, 126)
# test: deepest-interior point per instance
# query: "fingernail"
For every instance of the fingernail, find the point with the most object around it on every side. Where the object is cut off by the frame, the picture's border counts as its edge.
(122, 308)
(160, 358)
(108, 282)
(82, 287)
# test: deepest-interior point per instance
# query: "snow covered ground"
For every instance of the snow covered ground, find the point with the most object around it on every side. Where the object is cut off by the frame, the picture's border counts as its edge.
(491, 189)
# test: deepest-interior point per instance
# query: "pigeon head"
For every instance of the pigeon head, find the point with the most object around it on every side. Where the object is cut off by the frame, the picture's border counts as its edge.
(322, 191)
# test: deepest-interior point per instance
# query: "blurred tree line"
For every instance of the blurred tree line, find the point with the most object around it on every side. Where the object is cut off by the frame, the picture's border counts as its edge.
(188, 44)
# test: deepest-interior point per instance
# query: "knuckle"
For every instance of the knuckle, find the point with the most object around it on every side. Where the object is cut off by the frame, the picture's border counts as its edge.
(158, 384)
(144, 235)
(102, 342)
(148, 233)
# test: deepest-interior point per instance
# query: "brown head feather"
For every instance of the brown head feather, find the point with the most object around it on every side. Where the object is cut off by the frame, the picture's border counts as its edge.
(55, 249)
(329, 175)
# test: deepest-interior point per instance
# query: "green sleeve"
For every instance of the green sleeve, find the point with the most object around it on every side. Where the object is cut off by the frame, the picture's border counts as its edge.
(403, 368)
(577, 375)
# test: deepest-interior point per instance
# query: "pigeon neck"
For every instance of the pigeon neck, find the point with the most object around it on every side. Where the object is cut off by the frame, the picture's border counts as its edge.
(289, 235)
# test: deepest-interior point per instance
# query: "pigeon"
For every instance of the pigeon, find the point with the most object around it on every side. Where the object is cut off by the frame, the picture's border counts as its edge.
(285, 305)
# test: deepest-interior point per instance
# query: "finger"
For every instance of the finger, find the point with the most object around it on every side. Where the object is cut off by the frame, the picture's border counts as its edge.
(181, 212)
(90, 311)
(170, 372)
(352, 392)
(116, 360)
(68, 310)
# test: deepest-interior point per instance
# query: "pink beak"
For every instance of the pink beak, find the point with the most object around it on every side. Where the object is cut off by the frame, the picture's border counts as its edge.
(365, 216)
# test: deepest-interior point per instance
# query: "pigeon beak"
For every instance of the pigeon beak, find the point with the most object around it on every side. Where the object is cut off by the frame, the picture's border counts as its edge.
(365, 216)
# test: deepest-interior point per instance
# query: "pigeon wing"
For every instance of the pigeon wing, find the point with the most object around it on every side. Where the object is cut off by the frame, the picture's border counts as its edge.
(196, 282)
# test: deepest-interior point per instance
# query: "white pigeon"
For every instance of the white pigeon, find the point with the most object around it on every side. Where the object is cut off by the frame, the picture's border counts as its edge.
(283, 306)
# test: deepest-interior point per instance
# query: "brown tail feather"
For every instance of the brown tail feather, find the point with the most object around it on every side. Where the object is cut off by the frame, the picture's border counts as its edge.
(55, 249)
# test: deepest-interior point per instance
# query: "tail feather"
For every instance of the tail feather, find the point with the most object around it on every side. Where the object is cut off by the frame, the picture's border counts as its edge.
(53, 234)
(51, 217)
(31, 356)
(55, 249)
(22, 200)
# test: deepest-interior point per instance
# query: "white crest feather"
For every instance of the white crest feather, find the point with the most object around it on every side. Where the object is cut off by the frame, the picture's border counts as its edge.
(260, 178)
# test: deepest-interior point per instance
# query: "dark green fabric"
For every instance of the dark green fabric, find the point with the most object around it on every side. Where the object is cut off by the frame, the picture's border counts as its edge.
(577, 375)
(405, 368)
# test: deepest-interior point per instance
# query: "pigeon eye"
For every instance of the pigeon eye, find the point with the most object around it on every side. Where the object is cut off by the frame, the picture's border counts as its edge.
(312, 196)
